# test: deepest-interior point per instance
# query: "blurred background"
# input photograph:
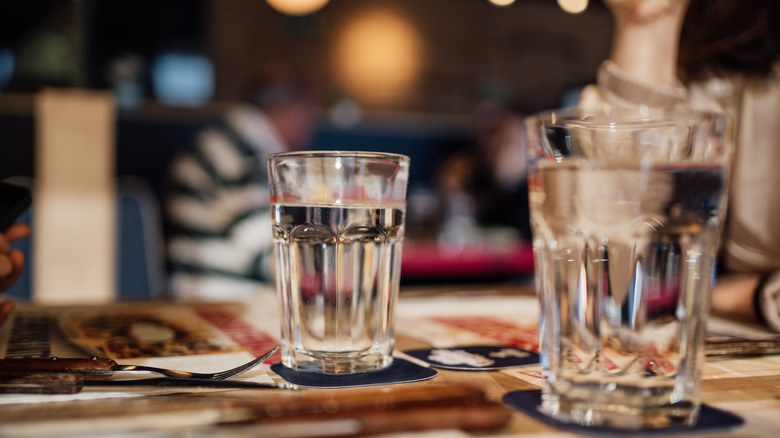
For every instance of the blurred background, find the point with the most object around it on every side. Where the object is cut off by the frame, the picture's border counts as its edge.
(438, 80)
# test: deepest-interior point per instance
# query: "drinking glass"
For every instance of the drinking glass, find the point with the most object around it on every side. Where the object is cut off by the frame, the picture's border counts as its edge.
(626, 210)
(338, 228)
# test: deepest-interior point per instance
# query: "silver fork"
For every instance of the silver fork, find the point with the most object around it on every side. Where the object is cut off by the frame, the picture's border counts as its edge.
(100, 367)
(222, 375)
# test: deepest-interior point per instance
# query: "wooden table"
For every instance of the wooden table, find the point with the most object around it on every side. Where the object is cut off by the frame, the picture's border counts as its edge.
(756, 398)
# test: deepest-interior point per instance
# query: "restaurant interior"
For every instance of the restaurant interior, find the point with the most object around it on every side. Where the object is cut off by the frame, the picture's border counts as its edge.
(426, 79)
(99, 98)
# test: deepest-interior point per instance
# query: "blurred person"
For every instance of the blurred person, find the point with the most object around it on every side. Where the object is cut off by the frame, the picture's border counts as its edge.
(483, 187)
(719, 55)
(11, 264)
(455, 180)
(218, 205)
(502, 198)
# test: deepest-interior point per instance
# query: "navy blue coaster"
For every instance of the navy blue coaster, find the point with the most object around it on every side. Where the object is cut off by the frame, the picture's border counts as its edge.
(475, 357)
(400, 371)
(709, 419)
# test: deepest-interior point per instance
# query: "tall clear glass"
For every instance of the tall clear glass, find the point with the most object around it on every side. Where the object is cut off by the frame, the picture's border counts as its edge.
(338, 228)
(626, 211)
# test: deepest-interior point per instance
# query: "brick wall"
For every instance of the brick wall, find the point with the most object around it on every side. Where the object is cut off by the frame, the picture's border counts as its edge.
(533, 47)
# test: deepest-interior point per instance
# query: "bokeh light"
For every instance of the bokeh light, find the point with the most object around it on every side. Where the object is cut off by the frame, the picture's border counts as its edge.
(573, 6)
(297, 7)
(378, 57)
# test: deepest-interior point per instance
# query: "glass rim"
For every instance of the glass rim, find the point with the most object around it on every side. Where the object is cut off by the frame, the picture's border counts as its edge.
(623, 117)
(339, 153)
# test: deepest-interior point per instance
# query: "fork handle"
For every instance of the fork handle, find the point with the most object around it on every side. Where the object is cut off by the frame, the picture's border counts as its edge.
(57, 365)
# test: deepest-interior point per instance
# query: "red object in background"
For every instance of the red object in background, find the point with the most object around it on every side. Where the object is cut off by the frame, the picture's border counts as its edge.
(423, 260)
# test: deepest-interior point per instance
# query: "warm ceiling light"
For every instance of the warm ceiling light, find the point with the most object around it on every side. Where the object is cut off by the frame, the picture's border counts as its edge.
(378, 57)
(502, 2)
(297, 7)
(573, 6)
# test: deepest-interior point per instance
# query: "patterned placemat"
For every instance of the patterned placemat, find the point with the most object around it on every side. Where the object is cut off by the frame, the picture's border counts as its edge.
(475, 357)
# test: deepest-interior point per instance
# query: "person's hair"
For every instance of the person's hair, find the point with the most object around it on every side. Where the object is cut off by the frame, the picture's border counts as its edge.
(273, 94)
(274, 86)
(730, 36)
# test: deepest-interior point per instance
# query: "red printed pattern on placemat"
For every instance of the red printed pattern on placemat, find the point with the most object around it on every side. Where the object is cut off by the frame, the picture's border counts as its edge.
(504, 333)
(241, 332)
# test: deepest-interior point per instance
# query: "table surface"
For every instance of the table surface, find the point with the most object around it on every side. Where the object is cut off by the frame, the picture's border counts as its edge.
(748, 387)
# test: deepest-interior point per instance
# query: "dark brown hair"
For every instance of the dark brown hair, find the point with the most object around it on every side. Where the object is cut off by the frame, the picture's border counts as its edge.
(730, 36)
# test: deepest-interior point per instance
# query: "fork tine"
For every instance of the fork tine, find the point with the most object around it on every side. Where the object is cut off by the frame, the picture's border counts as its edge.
(222, 375)
(233, 372)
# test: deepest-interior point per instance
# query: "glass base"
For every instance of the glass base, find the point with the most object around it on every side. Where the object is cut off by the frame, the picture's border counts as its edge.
(336, 363)
(622, 410)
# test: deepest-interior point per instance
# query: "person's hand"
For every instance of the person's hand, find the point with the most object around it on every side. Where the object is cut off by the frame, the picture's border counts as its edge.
(733, 295)
(11, 263)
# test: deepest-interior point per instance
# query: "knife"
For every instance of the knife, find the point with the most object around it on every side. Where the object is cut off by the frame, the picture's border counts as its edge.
(86, 366)
(99, 367)
(172, 382)
(63, 383)
(720, 349)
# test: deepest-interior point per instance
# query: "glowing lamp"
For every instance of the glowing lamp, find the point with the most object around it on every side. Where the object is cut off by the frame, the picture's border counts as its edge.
(573, 6)
(297, 7)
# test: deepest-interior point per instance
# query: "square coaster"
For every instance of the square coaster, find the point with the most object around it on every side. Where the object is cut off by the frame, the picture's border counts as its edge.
(400, 371)
(709, 419)
(475, 357)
